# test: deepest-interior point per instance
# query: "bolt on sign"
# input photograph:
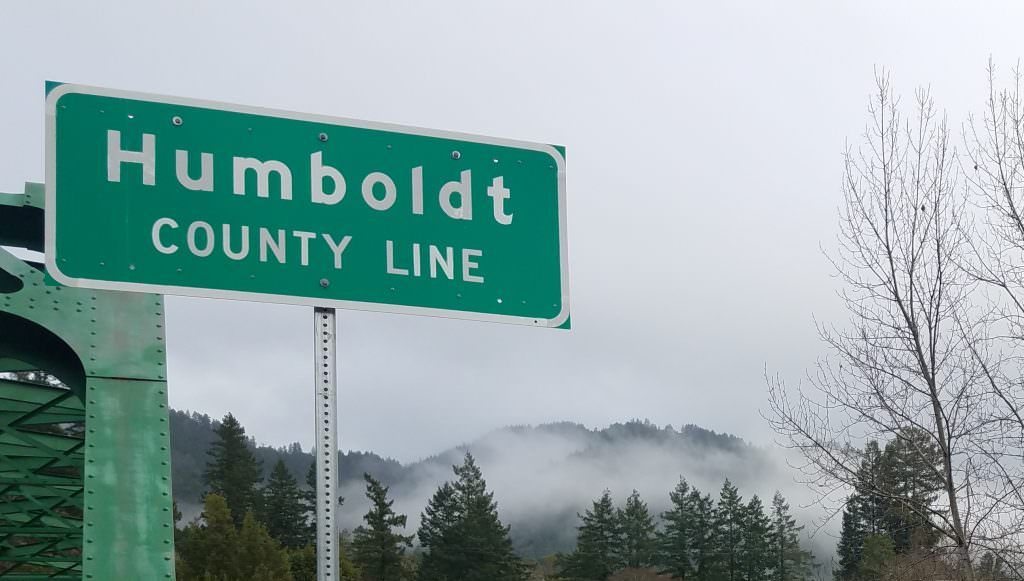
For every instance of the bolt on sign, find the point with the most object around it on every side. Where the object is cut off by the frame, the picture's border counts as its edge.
(178, 196)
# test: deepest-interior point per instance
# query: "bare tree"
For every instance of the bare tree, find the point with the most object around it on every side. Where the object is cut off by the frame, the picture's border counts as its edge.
(995, 175)
(909, 360)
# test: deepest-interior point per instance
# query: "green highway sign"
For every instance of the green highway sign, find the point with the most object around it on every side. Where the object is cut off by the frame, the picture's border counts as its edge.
(179, 196)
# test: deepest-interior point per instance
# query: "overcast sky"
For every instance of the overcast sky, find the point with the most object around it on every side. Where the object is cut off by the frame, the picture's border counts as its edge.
(704, 144)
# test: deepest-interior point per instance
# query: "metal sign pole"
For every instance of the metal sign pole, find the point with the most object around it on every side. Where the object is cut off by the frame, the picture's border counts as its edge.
(326, 415)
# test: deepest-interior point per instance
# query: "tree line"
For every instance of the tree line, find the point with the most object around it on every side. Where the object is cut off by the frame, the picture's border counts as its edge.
(260, 530)
(699, 539)
(266, 531)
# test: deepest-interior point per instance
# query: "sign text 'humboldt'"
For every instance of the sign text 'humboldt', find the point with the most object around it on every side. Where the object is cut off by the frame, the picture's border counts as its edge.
(176, 196)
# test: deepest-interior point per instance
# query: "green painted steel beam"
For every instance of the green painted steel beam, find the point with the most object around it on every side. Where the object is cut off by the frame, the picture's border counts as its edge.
(127, 431)
(92, 501)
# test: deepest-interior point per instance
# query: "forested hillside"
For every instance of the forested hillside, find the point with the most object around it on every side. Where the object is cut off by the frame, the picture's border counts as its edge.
(543, 476)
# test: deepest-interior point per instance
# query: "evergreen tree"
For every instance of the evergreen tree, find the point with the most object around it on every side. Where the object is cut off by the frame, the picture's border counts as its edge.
(464, 529)
(851, 542)
(873, 505)
(598, 544)
(706, 539)
(302, 563)
(730, 523)
(232, 471)
(283, 510)
(757, 554)
(911, 478)
(377, 549)
(488, 551)
(637, 528)
(215, 550)
(439, 534)
(866, 512)
(208, 550)
(676, 542)
(260, 557)
(879, 552)
(789, 561)
(892, 497)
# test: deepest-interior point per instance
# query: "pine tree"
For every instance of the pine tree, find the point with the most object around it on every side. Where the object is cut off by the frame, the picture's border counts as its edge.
(439, 534)
(911, 478)
(637, 529)
(789, 561)
(488, 548)
(757, 554)
(851, 542)
(705, 540)
(676, 542)
(232, 471)
(377, 549)
(894, 492)
(465, 538)
(730, 522)
(283, 510)
(598, 544)
(869, 490)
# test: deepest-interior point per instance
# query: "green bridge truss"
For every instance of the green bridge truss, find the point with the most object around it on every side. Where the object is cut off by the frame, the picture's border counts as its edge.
(85, 489)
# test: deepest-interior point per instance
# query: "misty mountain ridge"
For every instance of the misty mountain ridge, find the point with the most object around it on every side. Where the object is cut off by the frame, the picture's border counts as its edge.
(542, 476)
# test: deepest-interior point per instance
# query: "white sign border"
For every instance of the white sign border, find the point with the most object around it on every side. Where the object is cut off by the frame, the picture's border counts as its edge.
(51, 211)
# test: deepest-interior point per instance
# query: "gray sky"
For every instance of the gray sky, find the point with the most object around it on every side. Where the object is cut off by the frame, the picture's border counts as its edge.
(704, 161)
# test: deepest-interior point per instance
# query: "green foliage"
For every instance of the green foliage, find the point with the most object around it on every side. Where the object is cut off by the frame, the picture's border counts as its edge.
(464, 538)
(851, 543)
(706, 537)
(756, 561)
(439, 533)
(208, 550)
(598, 546)
(879, 553)
(302, 563)
(676, 541)
(216, 550)
(789, 562)
(260, 556)
(895, 490)
(910, 467)
(347, 569)
(283, 509)
(377, 550)
(639, 545)
(869, 497)
(232, 471)
(730, 522)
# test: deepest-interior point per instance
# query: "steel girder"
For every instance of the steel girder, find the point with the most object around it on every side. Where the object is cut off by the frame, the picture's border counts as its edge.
(85, 488)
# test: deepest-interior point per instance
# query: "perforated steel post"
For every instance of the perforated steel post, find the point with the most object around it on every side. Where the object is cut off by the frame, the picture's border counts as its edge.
(326, 445)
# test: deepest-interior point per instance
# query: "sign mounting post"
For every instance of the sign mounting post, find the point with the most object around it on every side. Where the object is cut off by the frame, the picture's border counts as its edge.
(326, 414)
